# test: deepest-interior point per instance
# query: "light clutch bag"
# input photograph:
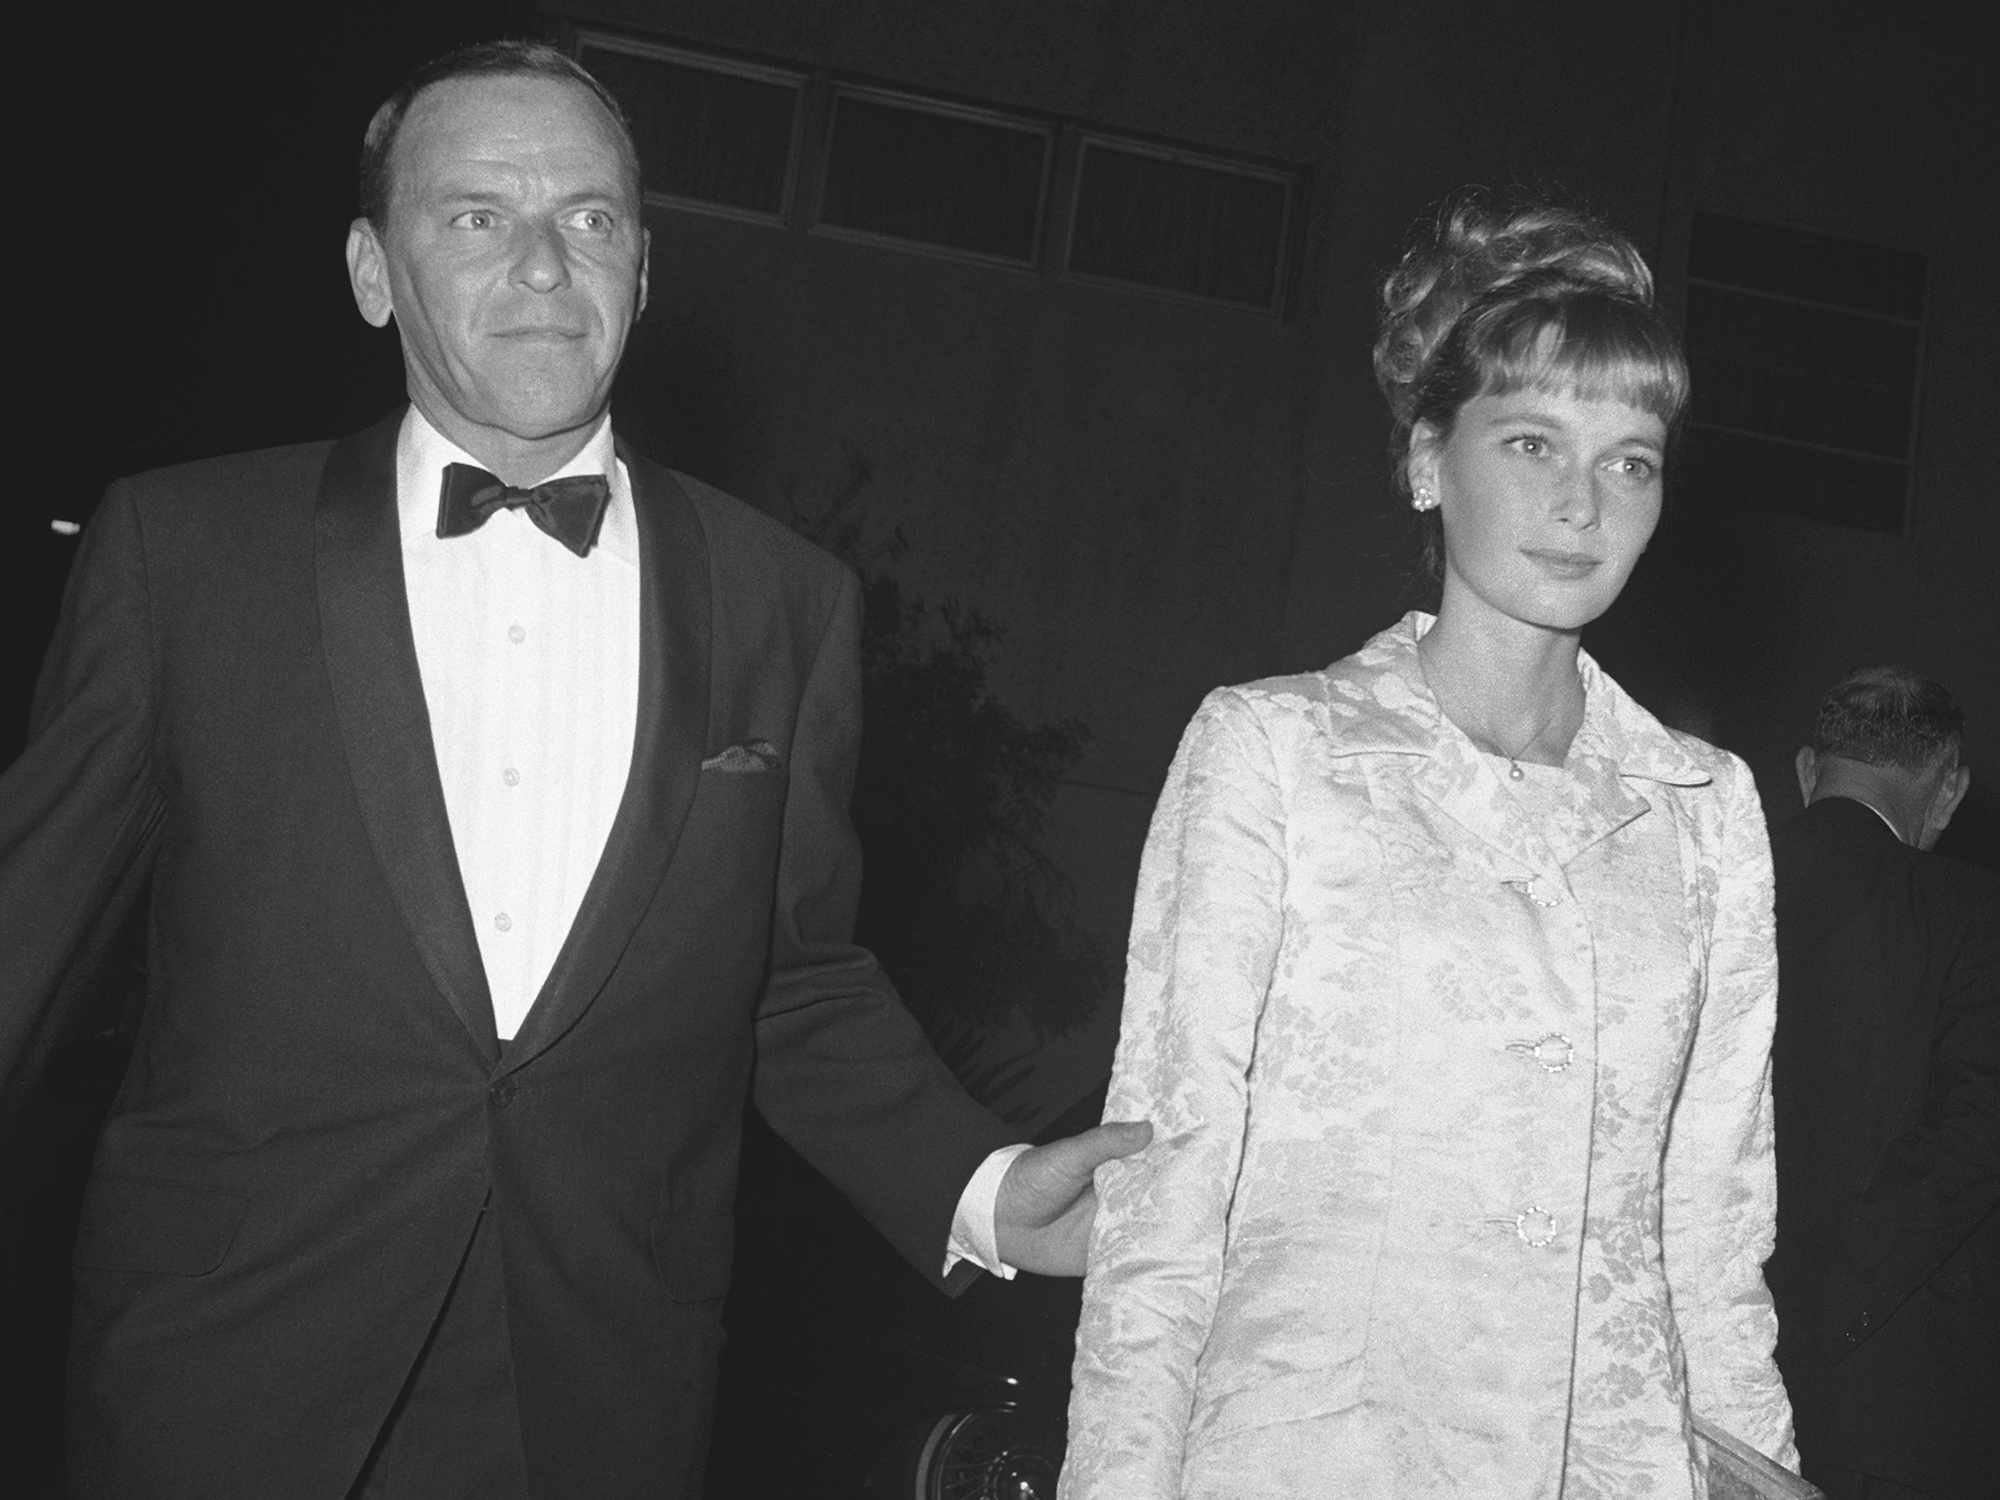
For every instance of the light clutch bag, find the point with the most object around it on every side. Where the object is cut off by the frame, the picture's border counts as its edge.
(1737, 1471)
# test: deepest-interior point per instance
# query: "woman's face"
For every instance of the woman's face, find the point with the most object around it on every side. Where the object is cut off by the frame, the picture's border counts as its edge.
(1547, 501)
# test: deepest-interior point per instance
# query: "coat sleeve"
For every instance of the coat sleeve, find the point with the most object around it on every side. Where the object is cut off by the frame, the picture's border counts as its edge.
(1720, 1177)
(843, 1072)
(79, 809)
(1206, 925)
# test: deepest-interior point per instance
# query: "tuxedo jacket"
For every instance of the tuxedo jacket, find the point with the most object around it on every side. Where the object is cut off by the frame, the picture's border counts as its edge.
(1886, 1075)
(317, 1109)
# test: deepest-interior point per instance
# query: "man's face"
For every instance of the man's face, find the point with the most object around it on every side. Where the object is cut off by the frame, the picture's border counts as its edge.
(513, 260)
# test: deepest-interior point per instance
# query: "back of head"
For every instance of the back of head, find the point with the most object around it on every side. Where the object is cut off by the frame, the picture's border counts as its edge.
(503, 58)
(1890, 718)
(1496, 296)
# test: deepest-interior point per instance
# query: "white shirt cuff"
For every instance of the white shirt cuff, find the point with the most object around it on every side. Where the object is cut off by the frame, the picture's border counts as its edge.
(973, 1236)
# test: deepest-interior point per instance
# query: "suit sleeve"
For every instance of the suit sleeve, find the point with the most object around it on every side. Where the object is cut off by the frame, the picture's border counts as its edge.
(79, 810)
(1206, 925)
(843, 1071)
(1720, 1211)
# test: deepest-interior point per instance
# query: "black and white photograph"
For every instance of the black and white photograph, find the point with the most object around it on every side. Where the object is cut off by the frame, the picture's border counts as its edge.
(1003, 750)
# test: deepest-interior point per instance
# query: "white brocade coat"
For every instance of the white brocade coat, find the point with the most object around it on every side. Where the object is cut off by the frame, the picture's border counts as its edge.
(1462, 1175)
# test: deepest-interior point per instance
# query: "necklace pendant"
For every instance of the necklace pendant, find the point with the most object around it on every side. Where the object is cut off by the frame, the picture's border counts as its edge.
(1514, 772)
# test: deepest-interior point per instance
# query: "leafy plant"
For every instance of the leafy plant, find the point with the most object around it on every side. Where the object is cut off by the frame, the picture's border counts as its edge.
(964, 909)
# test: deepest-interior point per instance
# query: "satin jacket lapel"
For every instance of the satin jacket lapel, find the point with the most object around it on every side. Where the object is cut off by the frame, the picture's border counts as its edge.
(667, 747)
(1398, 712)
(1465, 787)
(378, 697)
(1619, 748)
(1601, 803)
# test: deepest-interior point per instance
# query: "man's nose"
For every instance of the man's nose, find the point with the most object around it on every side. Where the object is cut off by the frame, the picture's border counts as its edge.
(542, 264)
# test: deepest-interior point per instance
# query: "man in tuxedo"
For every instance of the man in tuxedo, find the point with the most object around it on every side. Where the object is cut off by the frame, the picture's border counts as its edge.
(489, 783)
(1887, 1093)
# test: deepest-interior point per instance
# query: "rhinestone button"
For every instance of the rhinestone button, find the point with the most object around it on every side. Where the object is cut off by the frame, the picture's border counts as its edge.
(1536, 1226)
(1552, 1054)
(1542, 892)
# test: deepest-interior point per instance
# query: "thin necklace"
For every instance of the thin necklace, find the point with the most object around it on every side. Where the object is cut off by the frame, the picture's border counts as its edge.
(1514, 771)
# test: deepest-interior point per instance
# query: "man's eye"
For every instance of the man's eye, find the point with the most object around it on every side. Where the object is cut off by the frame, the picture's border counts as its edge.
(593, 221)
(476, 218)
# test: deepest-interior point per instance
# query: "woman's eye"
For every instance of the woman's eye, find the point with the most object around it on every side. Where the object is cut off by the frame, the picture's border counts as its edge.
(1633, 466)
(1531, 444)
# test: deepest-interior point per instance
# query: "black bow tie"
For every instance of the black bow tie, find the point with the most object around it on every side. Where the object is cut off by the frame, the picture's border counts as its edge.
(570, 510)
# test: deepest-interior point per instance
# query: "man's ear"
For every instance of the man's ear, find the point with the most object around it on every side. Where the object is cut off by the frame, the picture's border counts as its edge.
(1951, 791)
(645, 268)
(368, 273)
(1807, 765)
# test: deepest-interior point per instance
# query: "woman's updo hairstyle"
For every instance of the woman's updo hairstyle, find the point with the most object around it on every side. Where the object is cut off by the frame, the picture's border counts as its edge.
(1494, 298)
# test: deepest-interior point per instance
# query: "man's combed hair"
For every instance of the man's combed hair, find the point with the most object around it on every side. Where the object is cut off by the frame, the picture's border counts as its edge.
(1888, 716)
(506, 58)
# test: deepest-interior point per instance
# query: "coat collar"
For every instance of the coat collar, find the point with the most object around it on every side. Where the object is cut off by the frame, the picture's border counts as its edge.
(1379, 703)
(1385, 707)
(1856, 819)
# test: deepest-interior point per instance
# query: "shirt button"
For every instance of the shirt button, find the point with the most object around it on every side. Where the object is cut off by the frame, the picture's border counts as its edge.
(516, 634)
(511, 776)
(504, 922)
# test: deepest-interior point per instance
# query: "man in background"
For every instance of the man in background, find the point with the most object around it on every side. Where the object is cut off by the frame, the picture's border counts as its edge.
(1887, 1092)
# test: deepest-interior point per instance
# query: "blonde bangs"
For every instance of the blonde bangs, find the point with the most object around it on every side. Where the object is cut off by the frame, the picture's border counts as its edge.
(1594, 347)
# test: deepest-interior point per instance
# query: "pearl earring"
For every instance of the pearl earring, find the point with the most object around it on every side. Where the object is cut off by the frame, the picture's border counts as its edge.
(1423, 500)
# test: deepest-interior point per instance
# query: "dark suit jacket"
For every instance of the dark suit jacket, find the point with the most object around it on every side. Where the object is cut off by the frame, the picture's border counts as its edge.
(317, 1106)
(1887, 1093)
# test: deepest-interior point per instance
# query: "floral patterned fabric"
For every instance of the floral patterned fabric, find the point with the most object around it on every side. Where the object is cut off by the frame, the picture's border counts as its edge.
(1462, 1175)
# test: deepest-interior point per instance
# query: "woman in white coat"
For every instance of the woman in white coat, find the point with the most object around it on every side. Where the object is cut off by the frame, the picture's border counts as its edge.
(1451, 985)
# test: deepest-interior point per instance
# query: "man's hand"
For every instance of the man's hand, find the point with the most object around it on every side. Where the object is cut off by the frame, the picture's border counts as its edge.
(1043, 1214)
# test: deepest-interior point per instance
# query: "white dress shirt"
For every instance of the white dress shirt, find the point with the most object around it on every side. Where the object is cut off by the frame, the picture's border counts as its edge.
(530, 663)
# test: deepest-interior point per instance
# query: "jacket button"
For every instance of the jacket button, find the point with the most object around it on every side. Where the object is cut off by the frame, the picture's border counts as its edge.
(1552, 1054)
(1542, 892)
(1535, 1225)
(502, 1093)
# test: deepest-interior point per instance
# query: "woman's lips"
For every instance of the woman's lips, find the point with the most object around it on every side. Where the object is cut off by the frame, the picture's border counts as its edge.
(1563, 564)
